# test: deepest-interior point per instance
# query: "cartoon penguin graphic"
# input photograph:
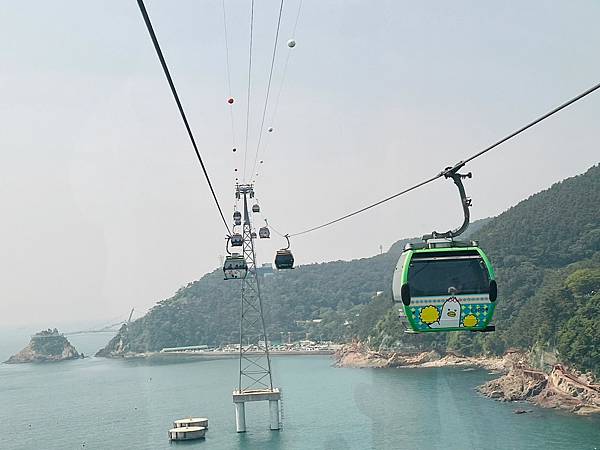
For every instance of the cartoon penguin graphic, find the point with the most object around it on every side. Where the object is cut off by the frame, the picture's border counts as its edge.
(450, 317)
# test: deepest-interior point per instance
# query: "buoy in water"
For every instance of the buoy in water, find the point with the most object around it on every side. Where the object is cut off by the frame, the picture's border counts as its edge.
(291, 43)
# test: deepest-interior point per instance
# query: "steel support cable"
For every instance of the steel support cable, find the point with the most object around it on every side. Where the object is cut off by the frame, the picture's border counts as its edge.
(179, 106)
(264, 113)
(283, 76)
(249, 82)
(228, 67)
(457, 165)
(373, 205)
(275, 230)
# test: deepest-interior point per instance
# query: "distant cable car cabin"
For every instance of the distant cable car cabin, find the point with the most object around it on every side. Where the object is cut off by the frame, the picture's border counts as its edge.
(264, 233)
(237, 218)
(236, 240)
(255, 208)
(283, 258)
(235, 267)
(443, 284)
(253, 235)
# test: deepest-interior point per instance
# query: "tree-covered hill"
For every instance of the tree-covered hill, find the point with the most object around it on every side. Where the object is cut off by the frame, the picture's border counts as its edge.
(537, 247)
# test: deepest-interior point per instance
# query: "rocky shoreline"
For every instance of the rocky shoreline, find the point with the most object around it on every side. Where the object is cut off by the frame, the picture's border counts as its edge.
(561, 388)
(46, 346)
(358, 355)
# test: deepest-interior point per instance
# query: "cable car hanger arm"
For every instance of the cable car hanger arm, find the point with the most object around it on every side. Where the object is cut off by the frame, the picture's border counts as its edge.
(452, 172)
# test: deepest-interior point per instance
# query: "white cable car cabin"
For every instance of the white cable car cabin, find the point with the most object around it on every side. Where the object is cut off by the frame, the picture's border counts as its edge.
(235, 267)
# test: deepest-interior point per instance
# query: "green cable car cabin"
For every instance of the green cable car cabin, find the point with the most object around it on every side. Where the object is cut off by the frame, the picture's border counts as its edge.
(445, 285)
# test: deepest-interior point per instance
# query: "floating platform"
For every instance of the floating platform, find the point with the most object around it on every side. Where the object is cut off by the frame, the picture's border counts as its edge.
(186, 433)
(191, 422)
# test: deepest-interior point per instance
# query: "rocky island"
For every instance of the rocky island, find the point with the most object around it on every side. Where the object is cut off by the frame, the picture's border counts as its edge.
(46, 346)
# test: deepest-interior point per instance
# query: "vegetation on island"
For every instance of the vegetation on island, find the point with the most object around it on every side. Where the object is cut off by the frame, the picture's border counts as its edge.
(546, 252)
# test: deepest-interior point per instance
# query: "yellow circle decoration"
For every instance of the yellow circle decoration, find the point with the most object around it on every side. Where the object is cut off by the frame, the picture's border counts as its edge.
(429, 314)
(470, 320)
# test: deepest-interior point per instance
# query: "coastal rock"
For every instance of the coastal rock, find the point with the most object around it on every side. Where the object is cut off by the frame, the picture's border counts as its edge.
(560, 388)
(359, 355)
(117, 347)
(46, 346)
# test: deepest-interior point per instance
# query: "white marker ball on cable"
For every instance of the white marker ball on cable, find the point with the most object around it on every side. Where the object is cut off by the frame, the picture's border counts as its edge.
(291, 43)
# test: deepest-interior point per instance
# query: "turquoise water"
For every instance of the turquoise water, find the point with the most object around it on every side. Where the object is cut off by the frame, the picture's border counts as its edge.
(109, 404)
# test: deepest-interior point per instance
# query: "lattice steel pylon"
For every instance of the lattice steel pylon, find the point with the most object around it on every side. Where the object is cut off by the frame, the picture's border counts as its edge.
(255, 381)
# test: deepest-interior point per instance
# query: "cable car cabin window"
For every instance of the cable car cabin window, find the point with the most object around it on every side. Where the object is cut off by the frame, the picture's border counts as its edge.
(436, 276)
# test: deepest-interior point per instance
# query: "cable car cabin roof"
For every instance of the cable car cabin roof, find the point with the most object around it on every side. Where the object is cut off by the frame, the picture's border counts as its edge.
(444, 252)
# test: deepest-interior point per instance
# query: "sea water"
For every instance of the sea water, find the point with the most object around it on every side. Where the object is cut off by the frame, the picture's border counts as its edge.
(98, 403)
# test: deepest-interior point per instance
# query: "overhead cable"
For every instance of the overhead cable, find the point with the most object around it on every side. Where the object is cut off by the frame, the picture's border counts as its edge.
(283, 76)
(264, 113)
(228, 67)
(249, 83)
(457, 165)
(179, 106)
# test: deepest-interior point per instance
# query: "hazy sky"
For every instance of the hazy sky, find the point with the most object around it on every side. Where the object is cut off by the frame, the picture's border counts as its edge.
(105, 207)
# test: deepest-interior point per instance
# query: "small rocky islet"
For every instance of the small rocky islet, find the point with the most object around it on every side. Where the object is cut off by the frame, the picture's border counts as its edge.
(46, 346)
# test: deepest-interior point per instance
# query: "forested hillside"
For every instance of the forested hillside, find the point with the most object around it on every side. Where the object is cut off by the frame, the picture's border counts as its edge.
(546, 254)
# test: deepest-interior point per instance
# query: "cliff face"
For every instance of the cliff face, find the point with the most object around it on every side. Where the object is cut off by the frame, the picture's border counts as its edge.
(560, 388)
(117, 346)
(46, 346)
